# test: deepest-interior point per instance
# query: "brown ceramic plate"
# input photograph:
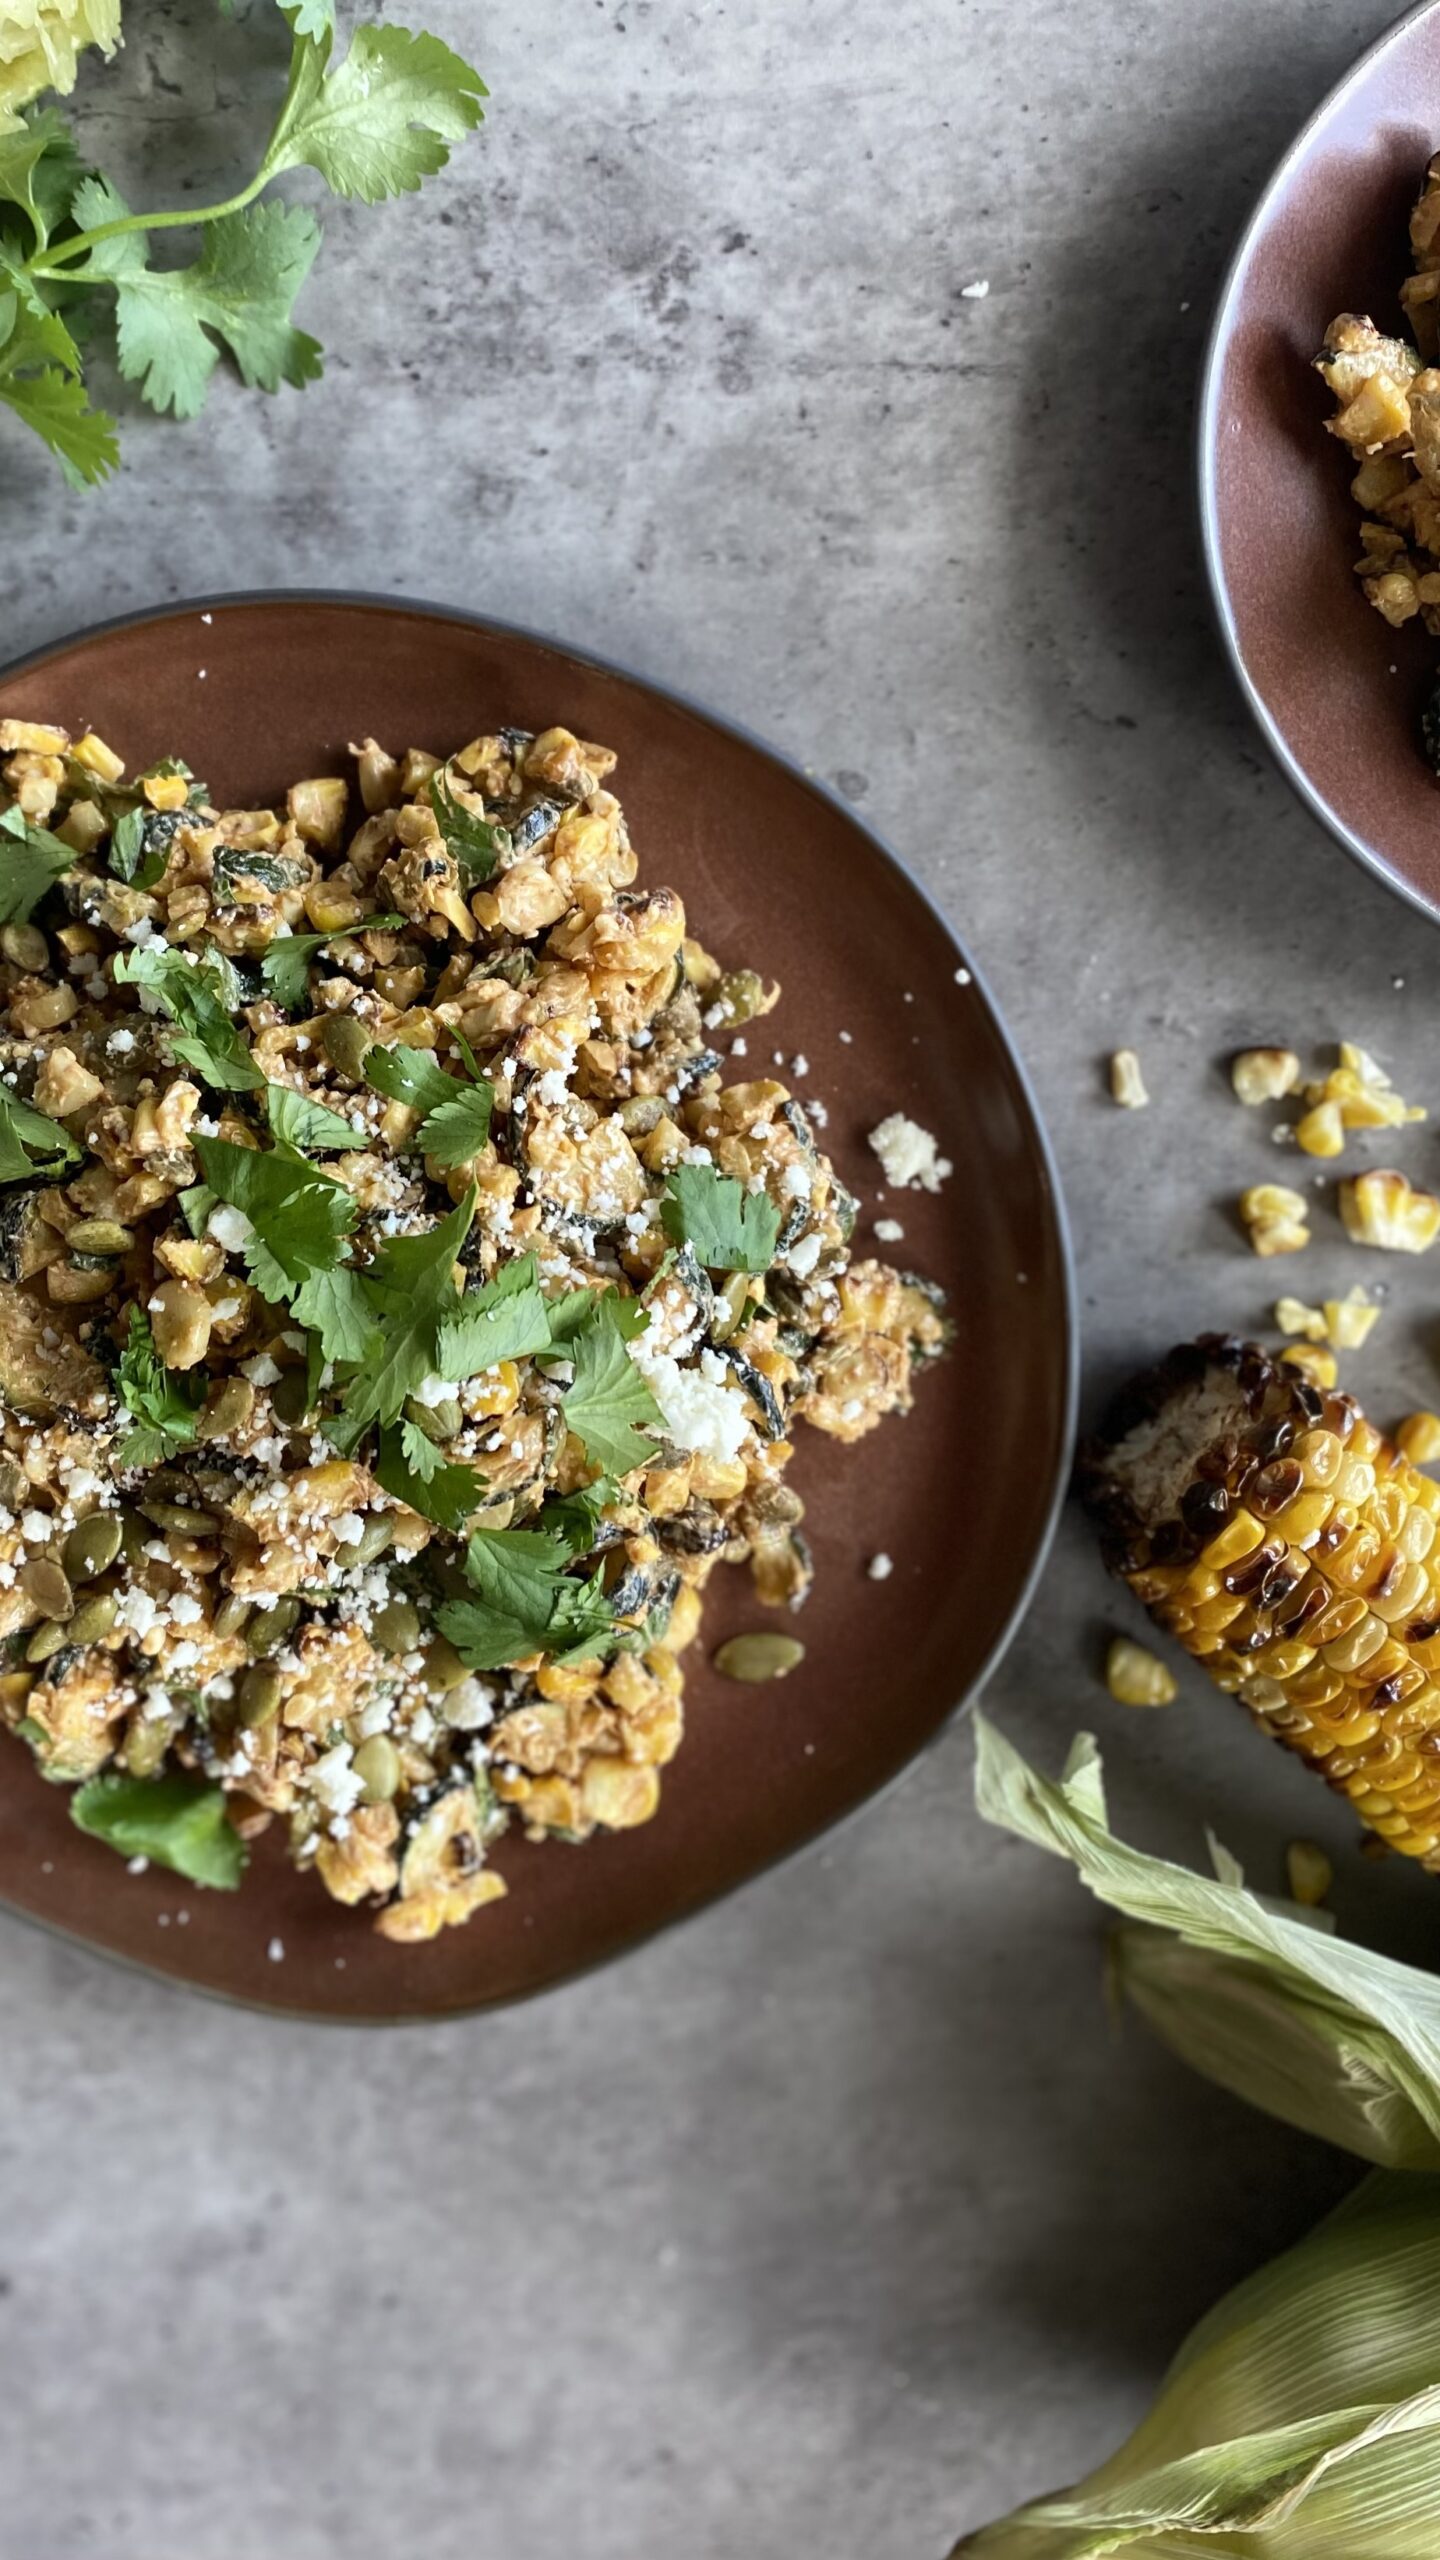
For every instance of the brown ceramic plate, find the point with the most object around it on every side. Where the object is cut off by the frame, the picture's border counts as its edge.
(962, 1494)
(1336, 692)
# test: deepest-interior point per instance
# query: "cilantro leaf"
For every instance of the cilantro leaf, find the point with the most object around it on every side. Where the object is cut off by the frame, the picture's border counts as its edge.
(458, 1130)
(570, 1315)
(524, 1602)
(29, 1143)
(475, 844)
(82, 439)
(285, 967)
(31, 861)
(609, 1406)
(198, 995)
(412, 1076)
(127, 843)
(162, 1402)
(506, 1320)
(574, 1518)
(727, 1228)
(410, 1285)
(455, 1121)
(310, 17)
(411, 1467)
(334, 1306)
(300, 1123)
(39, 170)
(380, 121)
(176, 1822)
(240, 291)
(301, 1218)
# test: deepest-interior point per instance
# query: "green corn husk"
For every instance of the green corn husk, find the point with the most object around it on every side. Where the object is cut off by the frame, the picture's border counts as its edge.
(1301, 2420)
(1254, 1994)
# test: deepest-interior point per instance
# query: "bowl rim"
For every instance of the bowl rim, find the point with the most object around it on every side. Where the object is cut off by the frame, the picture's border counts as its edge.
(369, 599)
(1207, 440)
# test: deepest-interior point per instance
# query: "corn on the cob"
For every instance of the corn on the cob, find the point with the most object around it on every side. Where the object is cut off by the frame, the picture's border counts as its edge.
(1293, 1551)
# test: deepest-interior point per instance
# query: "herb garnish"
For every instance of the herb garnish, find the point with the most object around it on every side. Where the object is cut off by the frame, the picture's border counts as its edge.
(374, 125)
(177, 1822)
(285, 967)
(609, 1406)
(29, 1143)
(301, 1124)
(412, 1468)
(475, 843)
(525, 1602)
(727, 1228)
(408, 1287)
(301, 1218)
(161, 1402)
(31, 861)
(199, 995)
(506, 1320)
(455, 1116)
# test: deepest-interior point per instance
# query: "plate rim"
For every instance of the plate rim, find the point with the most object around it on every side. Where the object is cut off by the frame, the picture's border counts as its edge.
(1070, 1346)
(1206, 456)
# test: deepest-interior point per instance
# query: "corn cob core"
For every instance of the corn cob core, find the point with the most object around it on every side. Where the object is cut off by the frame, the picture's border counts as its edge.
(1293, 1551)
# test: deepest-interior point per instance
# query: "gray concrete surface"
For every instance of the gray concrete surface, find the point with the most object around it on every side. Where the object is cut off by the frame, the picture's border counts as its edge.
(840, 2221)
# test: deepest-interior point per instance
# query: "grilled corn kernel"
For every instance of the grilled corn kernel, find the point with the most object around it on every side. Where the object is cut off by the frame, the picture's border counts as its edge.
(1321, 1367)
(1351, 1321)
(1293, 1316)
(1308, 1873)
(1322, 1131)
(1127, 1085)
(1264, 1075)
(1135, 1677)
(94, 753)
(1419, 1438)
(1382, 1209)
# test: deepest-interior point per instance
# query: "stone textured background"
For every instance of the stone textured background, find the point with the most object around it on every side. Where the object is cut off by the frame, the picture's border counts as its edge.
(840, 2220)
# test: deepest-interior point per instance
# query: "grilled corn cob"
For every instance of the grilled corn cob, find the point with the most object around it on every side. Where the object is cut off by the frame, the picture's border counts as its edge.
(1293, 1551)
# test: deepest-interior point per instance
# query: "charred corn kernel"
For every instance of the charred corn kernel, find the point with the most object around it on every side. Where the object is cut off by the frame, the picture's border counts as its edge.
(165, 790)
(1275, 1216)
(1127, 1085)
(1419, 1438)
(1293, 1316)
(1351, 1321)
(1382, 1209)
(1322, 1131)
(1308, 1873)
(1135, 1677)
(1264, 1075)
(1320, 1366)
(1328, 1558)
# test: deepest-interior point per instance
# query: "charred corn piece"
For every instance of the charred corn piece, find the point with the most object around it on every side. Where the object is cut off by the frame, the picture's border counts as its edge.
(1293, 1550)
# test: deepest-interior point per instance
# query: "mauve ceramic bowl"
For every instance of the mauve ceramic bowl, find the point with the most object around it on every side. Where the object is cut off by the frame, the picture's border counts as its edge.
(962, 1494)
(1336, 692)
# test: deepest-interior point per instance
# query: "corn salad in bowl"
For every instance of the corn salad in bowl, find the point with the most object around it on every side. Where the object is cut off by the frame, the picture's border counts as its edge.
(400, 1315)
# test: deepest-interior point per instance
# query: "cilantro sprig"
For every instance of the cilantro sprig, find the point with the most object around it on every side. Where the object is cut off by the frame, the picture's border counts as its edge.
(31, 861)
(609, 1406)
(412, 1468)
(162, 1403)
(509, 1319)
(30, 1144)
(199, 995)
(455, 1115)
(285, 967)
(300, 1219)
(175, 1821)
(407, 1289)
(476, 843)
(373, 124)
(524, 1602)
(726, 1227)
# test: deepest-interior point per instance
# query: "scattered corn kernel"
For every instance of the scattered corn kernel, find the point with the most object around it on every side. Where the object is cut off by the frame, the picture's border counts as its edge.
(1308, 1872)
(1320, 1367)
(1293, 1316)
(1418, 1438)
(1275, 1216)
(1264, 1075)
(1362, 1093)
(1136, 1677)
(1127, 1085)
(1322, 1131)
(1351, 1321)
(1382, 1209)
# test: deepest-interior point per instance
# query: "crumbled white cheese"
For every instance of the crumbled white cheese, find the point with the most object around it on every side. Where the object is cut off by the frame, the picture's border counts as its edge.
(433, 1389)
(909, 1154)
(889, 1231)
(977, 291)
(469, 1706)
(229, 1227)
(186, 1610)
(34, 1527)
(262, 1371)
(804, 1255)
(121, 1042)
(880, 1568)
(137, 1610)
(698, 1411)
(334, 1781)
(276, 1951)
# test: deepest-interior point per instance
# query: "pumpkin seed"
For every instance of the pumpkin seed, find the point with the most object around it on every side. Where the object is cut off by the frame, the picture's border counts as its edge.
(231, 1615)
(269, 1627)
(396, 1627)
(759, 1657)
(730, 1305)
(228, 1411)
(48, 1586)
(444, 1669)
(440, 1421)
(346, 1044)
(92, 1546)
(134, 1533)
(377, 1766)
(258, 1697)
(290, 1395)
(177, 1515)
(373, 1540)
(14, 1485)
(94, 1618)
(48, 1638)
(103, 1236)
(25, 945)
(742, 993)
(147, 1740)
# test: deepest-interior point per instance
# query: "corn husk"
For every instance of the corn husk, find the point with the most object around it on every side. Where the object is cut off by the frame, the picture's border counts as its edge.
(1301, 2420)
(40, 45)
(1258, 1995)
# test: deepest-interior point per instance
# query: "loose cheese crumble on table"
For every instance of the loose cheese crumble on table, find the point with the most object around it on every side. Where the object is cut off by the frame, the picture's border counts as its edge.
(400, 1315)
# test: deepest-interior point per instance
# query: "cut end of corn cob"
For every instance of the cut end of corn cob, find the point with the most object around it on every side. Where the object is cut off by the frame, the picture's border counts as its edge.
(1292, 1550)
